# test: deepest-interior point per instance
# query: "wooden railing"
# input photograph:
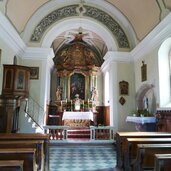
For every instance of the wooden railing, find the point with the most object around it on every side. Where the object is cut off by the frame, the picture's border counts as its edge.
(100, 133)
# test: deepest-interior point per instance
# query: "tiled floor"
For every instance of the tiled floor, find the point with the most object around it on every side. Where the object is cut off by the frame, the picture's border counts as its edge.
(82, 158)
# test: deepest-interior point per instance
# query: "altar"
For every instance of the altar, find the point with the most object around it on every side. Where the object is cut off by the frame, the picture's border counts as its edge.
(143, 123)
(78, 118)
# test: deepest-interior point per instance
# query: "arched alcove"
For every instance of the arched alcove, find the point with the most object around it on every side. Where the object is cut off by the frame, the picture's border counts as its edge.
(146, 91)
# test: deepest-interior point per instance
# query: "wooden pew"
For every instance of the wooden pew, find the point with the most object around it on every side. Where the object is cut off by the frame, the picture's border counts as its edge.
(162, 162)
(26, 154)
(11, 165)
(26, 137)
(121, 139)
(146, 154)
(131, 148)
(37, 144)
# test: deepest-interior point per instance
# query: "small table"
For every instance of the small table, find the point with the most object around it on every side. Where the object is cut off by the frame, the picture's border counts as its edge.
(142, 123)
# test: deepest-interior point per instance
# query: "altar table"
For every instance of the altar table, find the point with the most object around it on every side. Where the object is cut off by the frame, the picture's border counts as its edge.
(142, 123)
(77, 118)
(78, 115)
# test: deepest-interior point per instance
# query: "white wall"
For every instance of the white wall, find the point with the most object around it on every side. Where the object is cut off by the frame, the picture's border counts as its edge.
(6, 57)
(119, 68)
(126, 73)
(151, 60)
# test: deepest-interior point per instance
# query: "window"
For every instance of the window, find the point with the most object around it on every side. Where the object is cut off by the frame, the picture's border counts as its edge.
(107, 88)
(164, 60)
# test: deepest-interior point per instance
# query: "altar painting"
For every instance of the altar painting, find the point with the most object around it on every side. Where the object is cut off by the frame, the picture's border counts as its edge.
(77, 85)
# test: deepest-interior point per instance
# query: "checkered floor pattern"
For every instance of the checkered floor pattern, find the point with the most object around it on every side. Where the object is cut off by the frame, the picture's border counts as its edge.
(82, 158)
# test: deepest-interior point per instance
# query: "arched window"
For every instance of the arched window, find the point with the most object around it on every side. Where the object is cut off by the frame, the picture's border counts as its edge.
(164, 68)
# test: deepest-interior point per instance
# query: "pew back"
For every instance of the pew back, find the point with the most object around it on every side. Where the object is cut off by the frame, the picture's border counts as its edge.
(11, 165)
(25, 154)
(146, 153)
(162, 162)
(121, 138)
(37, 144)
(130, 150)
(21, 137)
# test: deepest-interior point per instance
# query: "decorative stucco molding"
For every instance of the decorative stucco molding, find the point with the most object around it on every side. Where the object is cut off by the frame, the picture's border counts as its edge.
(90, 12)
(51, 18)
(110, 23)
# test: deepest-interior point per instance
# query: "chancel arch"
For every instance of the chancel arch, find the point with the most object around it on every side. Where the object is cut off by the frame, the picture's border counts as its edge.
(64, 34)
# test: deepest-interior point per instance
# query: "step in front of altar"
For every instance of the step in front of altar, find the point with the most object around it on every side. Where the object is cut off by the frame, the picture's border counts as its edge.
(78, 133)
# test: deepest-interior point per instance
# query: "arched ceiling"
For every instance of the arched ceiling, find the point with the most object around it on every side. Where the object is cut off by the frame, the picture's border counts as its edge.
(136, 16)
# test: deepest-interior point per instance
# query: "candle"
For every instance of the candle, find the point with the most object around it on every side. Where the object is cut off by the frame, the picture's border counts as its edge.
(61, 102)
(66, 100)
(71, 102)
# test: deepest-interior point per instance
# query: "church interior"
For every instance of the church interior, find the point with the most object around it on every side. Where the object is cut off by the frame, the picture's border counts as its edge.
(85, 85)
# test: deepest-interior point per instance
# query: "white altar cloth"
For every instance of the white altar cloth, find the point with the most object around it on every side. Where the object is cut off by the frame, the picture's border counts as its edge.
(78, 115)
(140, 120)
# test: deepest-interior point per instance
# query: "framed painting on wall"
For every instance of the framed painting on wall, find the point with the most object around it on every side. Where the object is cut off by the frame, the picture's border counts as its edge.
(0, 56)
(34, 73)
(143, 72)
(123, 86)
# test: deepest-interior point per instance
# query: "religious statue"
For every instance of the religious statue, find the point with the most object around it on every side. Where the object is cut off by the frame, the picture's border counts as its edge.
(94, 98)
(94, 94)
(77, 102)
(58, 93)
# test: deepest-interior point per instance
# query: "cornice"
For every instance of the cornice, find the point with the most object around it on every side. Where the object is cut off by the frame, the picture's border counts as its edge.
(34, 53)
(111, 57)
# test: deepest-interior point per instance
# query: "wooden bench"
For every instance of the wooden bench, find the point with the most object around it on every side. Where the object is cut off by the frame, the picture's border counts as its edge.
(37, 144)
(11, 165)
(121, 138)
(25, 154)
(146, 154)
(27, 137)
(130, 150)
(162, 162)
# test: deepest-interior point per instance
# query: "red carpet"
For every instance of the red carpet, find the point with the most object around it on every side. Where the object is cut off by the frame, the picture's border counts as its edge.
(79, 133)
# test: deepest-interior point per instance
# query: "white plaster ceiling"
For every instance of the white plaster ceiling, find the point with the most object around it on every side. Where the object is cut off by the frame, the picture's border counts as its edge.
(136, 17)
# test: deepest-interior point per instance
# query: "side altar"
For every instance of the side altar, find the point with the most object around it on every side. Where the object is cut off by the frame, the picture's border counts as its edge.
(143, 123)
